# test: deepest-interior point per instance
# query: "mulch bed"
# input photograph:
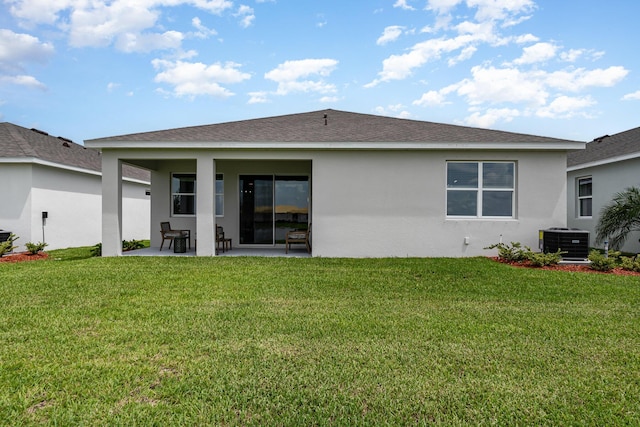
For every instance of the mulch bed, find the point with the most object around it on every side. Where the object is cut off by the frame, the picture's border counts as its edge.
(23, 256)
(569, 267)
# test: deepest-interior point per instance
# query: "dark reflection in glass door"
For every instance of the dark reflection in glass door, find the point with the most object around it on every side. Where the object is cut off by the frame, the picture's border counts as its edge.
(256, 209)
(291, 205)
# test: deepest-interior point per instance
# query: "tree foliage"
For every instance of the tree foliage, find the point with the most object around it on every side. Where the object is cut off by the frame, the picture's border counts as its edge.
(619, 218)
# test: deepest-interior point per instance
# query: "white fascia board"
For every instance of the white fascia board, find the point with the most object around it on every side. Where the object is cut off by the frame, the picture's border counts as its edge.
(229, 145)
(604, 162)
(33, 160)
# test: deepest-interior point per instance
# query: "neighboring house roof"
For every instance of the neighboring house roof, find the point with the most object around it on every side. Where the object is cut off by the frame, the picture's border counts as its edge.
(606, 149)
(21, 144)
(309, 130)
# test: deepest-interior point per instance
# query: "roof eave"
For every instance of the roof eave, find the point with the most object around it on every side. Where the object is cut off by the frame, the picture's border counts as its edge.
(602, 162)
(268, 145)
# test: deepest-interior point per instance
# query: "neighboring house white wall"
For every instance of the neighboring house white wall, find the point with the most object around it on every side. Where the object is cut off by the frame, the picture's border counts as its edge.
(72, 201)
(607, 180)
(15, 196)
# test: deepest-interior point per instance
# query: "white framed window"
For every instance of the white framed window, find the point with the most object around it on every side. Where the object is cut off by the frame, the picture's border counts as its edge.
(183, 194)
(480, 189)
(219, 195)
(585, 197)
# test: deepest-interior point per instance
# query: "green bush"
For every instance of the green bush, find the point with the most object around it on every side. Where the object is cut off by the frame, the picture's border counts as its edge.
(7, 246)
(96, 250)
(127, 245)
(630, 264)
(511, 253)
(541, 259)
(130, 245)
(34, 248)
(601, 263)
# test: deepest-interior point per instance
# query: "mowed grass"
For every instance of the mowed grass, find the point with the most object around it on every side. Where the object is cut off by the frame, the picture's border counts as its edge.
(282, 341)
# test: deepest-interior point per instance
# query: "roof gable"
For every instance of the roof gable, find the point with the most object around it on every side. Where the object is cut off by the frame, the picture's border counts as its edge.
(328, 126)
(620, 145)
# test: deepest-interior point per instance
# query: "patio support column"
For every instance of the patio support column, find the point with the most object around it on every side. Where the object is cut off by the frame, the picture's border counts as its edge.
(206, 206)
(111, 205)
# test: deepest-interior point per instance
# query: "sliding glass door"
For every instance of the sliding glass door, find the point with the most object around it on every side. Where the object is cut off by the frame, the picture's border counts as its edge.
(271, 205)
(256, 209)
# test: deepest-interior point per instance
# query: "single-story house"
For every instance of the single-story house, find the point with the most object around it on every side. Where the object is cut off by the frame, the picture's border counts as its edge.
(52, 191)
(371, 186)
(608, 165)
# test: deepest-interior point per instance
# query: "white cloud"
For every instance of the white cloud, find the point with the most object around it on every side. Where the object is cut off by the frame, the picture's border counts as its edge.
(390, 34)
(23, 80)
(491, 117)
(572, 55)
(396, 110)
(442, 6)
(329, 99)
(497, 85)
(634, 96)
(246, 15)
(565, 107)
(526, 38)
(508, 11)
(258, 97)
(203, 32)
(465, 54)
(17, 50)
(290, 76)
(402, 4)
(127, 24)
(489, 17)
(539, 52)
(399, 67)
(431, 99)
(112, 86)
(575, 80)
(195, 78)
(131, 42)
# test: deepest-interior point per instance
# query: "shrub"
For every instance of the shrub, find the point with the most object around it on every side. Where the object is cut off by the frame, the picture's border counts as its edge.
(130, 245)
(539, 259)
(601, 263)
(630, 264)
(511, 253)
(34, 248)
(7, 246)
(96, 250)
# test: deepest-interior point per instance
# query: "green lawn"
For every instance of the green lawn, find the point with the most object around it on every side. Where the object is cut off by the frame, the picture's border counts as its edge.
(284, 341)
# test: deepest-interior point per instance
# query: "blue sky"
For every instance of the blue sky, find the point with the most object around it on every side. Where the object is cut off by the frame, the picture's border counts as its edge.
(87, 69)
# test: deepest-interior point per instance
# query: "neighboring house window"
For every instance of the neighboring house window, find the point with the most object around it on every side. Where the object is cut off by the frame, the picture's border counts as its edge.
(585, 197)
(219, 194)
(183, 194)
(481, 189)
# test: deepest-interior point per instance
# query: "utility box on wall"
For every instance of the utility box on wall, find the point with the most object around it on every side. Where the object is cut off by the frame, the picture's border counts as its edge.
(573, 241)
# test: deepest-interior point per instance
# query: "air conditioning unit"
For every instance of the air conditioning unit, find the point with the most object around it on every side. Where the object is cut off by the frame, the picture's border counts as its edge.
(573, 241)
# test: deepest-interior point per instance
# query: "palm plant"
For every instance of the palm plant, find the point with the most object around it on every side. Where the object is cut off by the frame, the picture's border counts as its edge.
(619, 218)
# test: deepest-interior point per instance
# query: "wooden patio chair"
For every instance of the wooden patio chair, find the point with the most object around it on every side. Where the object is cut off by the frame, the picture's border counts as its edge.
(169, 234)
(221, 240)
(297, 236)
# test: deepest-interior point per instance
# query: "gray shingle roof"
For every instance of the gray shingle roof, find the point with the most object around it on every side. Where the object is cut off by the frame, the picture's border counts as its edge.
(341, 126)
(22, 143)
(606, 147)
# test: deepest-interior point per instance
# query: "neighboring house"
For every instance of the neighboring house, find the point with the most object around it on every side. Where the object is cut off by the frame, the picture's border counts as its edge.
(371, 186)
(42, 175)
(608, 165)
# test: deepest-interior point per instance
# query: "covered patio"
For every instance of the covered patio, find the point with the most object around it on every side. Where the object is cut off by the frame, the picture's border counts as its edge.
(298, 251)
